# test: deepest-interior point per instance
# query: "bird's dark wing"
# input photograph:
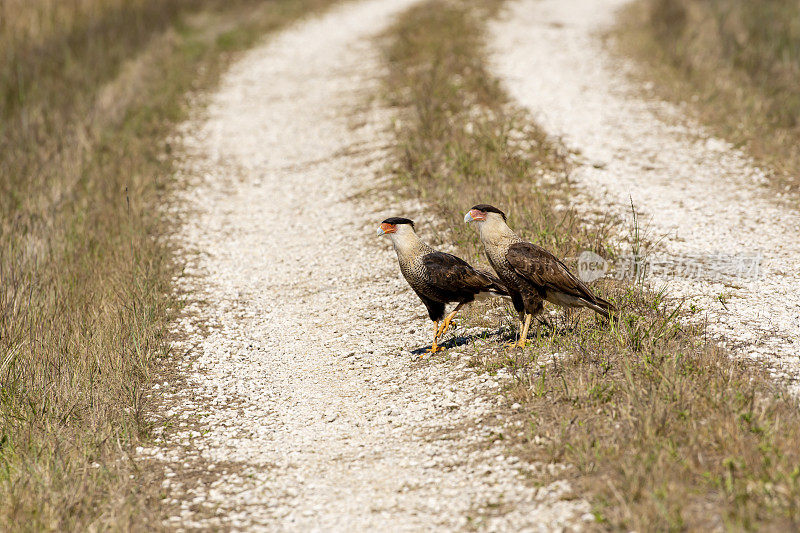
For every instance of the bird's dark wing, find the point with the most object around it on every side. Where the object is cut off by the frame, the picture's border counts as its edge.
(545, 271)
(452, 274)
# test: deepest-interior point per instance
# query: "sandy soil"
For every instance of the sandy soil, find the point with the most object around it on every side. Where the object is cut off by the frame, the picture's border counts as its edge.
(301, 405)
(707, 205)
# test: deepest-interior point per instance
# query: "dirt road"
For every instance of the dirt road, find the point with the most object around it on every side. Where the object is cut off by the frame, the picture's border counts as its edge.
(705, 203)
(303, 407)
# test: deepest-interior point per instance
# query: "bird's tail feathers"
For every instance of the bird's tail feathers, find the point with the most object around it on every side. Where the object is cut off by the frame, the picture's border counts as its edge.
(486, 295)
(495, 287)
(602, 307)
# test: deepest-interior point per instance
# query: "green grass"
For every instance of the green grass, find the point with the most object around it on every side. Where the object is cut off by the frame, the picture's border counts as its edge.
(89, 95)
(662, 430)
(734, 62)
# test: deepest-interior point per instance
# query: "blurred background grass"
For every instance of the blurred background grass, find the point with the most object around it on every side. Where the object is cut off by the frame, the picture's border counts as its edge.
(90, 91)
(736, 63)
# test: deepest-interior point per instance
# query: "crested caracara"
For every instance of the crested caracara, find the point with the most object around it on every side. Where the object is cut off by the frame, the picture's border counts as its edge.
(530, 273)
(437, 278)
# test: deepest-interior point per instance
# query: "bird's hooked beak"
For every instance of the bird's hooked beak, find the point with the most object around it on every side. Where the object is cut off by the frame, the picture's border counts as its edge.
(385, 229)
(474, 215)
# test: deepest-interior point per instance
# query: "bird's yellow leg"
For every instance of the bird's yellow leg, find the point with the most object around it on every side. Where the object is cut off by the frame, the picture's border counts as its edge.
(447, 320)
(434, 348)
(523, 338)
(513, 344)
(446, 323)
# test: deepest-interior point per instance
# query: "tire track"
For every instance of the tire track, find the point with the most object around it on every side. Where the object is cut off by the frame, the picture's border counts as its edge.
(303, 408)
(706, 203)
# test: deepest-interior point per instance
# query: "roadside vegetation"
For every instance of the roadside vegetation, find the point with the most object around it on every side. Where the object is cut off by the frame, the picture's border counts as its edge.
(90, 92)
(661, 429)
(735, 63)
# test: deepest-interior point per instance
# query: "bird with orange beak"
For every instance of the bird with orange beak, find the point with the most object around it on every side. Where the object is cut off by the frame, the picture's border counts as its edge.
(438, 278)
(531, 274)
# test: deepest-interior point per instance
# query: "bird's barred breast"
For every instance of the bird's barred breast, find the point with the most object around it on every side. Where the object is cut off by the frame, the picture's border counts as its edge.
(501, 266)
(418, 278)
(414, 272)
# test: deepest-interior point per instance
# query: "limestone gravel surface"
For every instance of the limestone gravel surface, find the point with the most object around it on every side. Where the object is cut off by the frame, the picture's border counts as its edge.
(296, 401)
(706, 205)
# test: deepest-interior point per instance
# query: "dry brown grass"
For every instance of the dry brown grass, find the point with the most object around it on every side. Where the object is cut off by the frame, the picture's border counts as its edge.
(89, 93)
(662, 430)
(735, 63)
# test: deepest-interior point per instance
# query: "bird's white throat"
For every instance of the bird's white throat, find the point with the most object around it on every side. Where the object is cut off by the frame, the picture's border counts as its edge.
(406, 242)
(493, 231)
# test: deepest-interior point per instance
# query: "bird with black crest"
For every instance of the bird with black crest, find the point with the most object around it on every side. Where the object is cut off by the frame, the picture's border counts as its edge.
(438, 278)
(531, 274)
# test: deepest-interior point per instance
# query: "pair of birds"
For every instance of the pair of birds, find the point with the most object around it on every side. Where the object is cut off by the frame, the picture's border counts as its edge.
(526, 273)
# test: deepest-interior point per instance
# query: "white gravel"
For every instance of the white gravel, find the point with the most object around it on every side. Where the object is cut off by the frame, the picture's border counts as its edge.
(696, 192)
(303, 408)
